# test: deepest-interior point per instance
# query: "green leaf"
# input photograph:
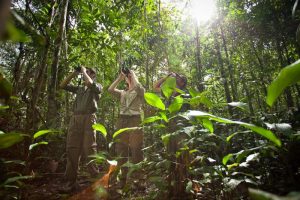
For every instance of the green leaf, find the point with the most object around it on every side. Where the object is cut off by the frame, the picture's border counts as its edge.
(164, 116)
(176, 104)
(226, 158)
(287, 76)
(166, 139)
(3, 107)
(241, 105)
(9, 139)
(199, 97)
(261, 131)
(19, 162)
(232, 165)
(36, 144)
(234, 134)
(100, 128)
(262, 195)
(5, 87)
(15, 34)
(154, 100)
(151, 119)
(43, 132)
(123, 130)
(208, 125)
(16, 178)
(168, 87)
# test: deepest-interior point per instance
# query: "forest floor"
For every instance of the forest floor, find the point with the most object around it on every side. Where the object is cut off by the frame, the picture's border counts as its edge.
(49, 187)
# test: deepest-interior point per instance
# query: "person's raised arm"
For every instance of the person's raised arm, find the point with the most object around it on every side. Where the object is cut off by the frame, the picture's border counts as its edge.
(67, 80)
(113, 87)
(159, 82)
(87, 79)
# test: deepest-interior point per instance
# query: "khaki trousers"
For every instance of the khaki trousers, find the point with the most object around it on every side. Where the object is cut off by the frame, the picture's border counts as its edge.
(81, 141)
(130, 143)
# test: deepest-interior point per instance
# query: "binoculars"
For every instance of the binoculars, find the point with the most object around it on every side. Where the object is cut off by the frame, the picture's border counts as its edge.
(77, 68)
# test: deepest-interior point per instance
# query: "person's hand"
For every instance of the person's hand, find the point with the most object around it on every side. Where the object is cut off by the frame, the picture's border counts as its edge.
(121, 76)
(172, 74)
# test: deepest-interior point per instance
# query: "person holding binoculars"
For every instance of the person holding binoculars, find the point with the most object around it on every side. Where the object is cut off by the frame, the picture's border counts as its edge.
(81, 138)
(129, 145)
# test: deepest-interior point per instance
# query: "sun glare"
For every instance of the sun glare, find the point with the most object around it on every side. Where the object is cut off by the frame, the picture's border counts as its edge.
(202, 10)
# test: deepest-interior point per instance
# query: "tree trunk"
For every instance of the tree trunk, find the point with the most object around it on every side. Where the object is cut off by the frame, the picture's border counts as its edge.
(230, 67)
(287, 92)
(198, 62)
(223, 75)
(52, 115)
(18, 69)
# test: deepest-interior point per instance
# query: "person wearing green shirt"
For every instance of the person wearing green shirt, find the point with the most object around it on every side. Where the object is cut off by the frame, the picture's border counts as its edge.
(81, 138)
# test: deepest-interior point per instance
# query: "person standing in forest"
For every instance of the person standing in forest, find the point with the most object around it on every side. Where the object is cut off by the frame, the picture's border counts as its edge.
(129, 143)
(81, 138)
(179, 164)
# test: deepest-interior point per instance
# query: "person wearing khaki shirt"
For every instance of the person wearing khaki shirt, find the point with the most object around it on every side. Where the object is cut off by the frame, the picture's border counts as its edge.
(81, 138)
(131, 100)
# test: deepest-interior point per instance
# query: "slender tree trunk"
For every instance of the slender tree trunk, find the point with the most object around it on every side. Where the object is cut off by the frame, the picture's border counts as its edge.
(52, 114)
(147, 46)
(288, 94)
(262, 76)
(31, 116)
(230, 67)
(223, 75)
(249, 97)
(198, 62)
(18, 69)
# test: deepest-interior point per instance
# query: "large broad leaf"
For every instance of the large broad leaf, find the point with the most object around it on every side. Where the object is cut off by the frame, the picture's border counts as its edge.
(154, 100)
(43, 132)
(100, 128)
(123, 130)
(208, 125)
(176, 104)
(199, 97)
(168, 86)
(9, 139)
(263, 132)
(287, 76)
(226, 158)
(5, 87)
(151, 119)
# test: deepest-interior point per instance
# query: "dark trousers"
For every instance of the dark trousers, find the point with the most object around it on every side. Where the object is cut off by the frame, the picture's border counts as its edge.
(130, 143)
(81, 141)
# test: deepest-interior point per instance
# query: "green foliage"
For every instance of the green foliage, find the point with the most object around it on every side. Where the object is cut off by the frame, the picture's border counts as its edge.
(100, 128)
(36, 144)
(14, 179)
(43, 132)
(256, 194)
(176, 104)
(5, 87)
(287, 76)
(263, 132)
(9, 139)
(118, 132)
(154, 100)
(168, 87)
